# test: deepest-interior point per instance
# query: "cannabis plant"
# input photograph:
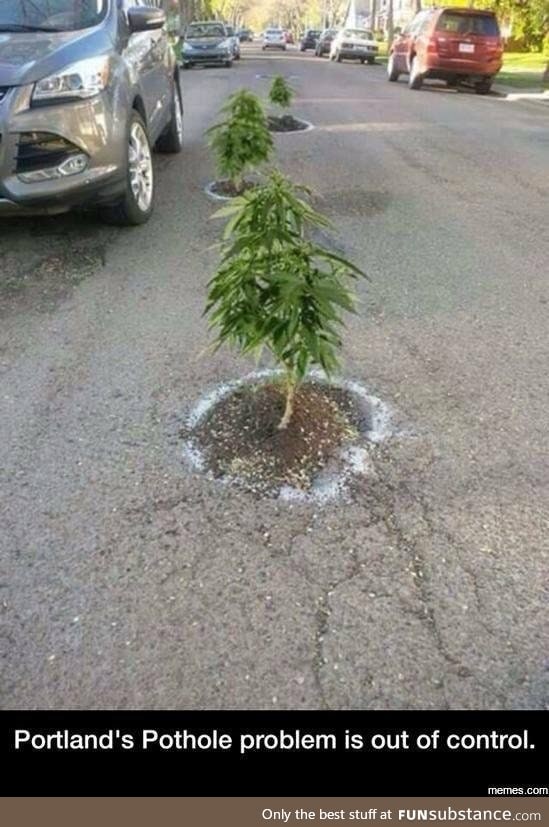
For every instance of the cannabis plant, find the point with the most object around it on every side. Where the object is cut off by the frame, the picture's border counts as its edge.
(241, 141)
(278, 289)
(281, 93)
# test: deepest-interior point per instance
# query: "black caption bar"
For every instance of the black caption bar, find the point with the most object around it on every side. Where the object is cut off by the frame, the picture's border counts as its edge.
(274, 753)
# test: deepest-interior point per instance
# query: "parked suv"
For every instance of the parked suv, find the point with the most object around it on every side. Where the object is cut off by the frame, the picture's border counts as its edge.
(452, 44)
(309, 39)
(86, 91)
(324, 42)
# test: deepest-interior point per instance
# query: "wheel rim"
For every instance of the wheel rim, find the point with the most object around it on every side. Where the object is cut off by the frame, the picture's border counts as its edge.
(141, 170)
(178, 117)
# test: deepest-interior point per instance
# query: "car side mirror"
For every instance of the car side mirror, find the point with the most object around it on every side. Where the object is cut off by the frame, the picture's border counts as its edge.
(145, 18)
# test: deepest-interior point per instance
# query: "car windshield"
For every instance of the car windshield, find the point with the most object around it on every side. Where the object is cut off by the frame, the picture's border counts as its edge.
(50, 15)
(196, 30)
(274, 31)
(360, 34)
(229, 30)
(464, 24)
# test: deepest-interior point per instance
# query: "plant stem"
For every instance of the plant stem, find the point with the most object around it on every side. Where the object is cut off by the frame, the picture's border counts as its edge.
(290, 396)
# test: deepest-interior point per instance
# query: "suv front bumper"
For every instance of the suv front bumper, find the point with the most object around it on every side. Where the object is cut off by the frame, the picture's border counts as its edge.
(87, 127)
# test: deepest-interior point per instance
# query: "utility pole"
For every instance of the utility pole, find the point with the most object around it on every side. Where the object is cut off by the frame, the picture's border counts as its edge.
(390, 23)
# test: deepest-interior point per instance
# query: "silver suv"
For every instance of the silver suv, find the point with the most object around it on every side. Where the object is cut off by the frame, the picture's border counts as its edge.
(87, 88)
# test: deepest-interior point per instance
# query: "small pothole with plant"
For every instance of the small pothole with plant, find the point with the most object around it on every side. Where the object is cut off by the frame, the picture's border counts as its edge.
(241, 143)
(281, 96)
(278, 290)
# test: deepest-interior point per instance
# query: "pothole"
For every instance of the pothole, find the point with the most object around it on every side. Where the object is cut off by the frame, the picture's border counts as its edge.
(232, 436)
(225, 190)
(287, 123)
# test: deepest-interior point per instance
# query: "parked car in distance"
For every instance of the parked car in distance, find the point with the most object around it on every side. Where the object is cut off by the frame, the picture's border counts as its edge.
(309, 39)
(235, 41)
(245, 35)
(324, 42)
(453, 44)
(206, 42)
(274, 39)
(354, 44)
(86, 92)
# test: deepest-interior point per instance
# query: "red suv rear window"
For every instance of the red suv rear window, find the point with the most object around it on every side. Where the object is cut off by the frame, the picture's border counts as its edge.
(485, 25)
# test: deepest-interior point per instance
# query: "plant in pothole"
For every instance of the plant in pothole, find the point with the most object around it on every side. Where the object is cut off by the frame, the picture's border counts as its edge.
(241, 142)
(278, 289)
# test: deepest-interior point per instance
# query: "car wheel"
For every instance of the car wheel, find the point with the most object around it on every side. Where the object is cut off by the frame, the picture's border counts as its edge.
(416, 79)
(338, 57)
(371, 61)
(228, 64)
(484, 87)
(171, 139)
(392, 73)
(187, 65)
(136, 205)
(363, 60)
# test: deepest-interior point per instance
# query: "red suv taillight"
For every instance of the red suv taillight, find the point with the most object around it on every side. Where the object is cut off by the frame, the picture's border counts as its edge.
(432, 45)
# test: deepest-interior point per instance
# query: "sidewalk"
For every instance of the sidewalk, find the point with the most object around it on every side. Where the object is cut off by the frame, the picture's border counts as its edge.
(528, 95)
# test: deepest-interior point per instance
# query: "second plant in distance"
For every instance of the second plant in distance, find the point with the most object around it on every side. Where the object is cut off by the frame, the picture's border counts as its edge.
(241, 142)
(279, 290)
(281, 96)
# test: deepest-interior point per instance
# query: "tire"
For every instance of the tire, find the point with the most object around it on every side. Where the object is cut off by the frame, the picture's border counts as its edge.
(338, 57)
(392, 74)
(171, 139)
(363, 60)
(135, 208)
(452, 84)
(187, 65)
(371, 61)
(228, 64)
(484, 87)
(415, 79)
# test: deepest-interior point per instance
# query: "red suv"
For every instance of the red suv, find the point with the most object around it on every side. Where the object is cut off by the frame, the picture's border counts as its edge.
(452, 44)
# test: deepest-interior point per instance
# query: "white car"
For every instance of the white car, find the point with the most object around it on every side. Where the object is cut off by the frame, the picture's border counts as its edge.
(354, 44)
(274, 39)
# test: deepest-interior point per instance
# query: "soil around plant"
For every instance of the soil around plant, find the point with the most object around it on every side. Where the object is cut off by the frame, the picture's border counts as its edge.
(239, 438)
(286, 123)
(226, 189)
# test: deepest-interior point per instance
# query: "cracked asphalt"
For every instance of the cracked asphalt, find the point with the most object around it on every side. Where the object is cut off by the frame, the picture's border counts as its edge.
(130, 582)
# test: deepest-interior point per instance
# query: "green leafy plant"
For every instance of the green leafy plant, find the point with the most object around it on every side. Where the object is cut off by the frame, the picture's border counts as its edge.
(242, 140)
(281, 93)
(276, 288)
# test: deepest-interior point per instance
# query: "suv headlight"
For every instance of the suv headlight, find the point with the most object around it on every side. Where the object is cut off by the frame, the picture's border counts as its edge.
(84, 79)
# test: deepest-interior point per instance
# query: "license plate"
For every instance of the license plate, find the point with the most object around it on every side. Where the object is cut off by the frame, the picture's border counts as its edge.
(469, 48)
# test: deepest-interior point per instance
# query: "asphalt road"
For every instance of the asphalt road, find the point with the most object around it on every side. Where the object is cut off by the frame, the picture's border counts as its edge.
(130, 582)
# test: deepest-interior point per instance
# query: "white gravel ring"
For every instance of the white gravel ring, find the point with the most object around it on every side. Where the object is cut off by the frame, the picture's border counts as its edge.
(328, 486)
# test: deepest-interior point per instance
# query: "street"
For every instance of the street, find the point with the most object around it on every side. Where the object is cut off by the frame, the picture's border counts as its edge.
(130, 581)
